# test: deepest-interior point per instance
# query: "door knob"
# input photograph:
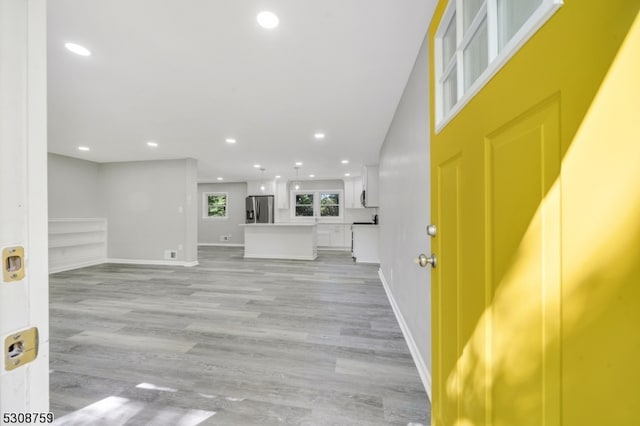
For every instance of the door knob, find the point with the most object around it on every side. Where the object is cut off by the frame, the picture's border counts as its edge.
(424, 260)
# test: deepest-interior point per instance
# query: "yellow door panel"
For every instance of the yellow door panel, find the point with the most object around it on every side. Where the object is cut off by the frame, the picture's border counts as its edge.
(522, 163)
(448, 340)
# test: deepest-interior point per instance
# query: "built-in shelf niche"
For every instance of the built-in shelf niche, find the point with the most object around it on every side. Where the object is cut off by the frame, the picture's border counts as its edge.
(75, 243)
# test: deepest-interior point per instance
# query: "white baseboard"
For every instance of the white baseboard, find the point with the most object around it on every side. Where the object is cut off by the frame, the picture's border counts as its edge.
(282, 257)
(323, 248)
(77, 265)
(152, 262)
(423, 371)
(219, 245)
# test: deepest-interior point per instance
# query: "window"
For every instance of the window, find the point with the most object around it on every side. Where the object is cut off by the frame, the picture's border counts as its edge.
(321, 204)
(473, 43)
(329, 204)
(215, 205)
(304, 205)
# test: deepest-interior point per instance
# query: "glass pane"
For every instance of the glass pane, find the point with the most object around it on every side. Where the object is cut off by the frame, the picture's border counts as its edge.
(217, 211)
(512, 15)
(329, 211)
(304, 199)
(450, 91)
(329, 199)
(470, 9)
(217, 199)
(476, 55)
(304, 210)
(449, 42)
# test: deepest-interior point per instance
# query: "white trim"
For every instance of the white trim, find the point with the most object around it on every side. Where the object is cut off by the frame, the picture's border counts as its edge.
(219, 245)
(327, 248)
(77, 265)
(284, 257)
(153, 262)
(423, 370)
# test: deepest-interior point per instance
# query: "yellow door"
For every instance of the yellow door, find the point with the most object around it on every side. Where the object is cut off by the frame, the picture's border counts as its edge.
(490, 327)
(535, 306)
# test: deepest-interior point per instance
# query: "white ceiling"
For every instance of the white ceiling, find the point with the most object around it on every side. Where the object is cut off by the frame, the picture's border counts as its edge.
(188, 74)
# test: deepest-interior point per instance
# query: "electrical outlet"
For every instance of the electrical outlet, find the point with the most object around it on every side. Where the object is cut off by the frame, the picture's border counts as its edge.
(224, 238)
(170, 254)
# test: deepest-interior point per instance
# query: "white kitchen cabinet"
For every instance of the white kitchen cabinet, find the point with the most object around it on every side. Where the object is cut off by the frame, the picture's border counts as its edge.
(282, 195)
(331, 235)
(370, 184)
(352, 191)
(365, 243)
(347, 236)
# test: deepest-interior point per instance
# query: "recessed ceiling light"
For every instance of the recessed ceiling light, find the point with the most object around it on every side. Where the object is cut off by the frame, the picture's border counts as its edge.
(298, 163)
(257, 166)
(347, 174)
(84, 148)
(278, 176)
(312, 176)
(152, 144)
(345, 161)
(230, 140)
(220, 178)
(319, 136)
(77, 49)
(267, 19)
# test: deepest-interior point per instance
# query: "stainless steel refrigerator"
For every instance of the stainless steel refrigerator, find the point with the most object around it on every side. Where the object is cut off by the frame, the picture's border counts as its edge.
(260, 209)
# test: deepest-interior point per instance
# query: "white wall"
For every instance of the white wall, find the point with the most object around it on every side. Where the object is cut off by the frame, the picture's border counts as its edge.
(148, 209)
(74, 188)
(405, 212)
(191, 211)
(210, 230)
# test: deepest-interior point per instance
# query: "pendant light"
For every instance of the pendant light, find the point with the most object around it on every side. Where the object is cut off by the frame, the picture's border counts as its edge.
(296, 184)
(262, 187)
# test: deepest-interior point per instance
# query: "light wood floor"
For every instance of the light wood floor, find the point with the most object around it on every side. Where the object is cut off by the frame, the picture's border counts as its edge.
(230, 342)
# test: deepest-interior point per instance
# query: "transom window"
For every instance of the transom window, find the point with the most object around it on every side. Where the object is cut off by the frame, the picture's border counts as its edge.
(474, 40)
(322, 204)
(215, 205)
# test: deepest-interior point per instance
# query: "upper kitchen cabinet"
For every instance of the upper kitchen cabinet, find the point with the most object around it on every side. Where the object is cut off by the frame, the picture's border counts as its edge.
(352, 191)
(370, 186)
(255, 187)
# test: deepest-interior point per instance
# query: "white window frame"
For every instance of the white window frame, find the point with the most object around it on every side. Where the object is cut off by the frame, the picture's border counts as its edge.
(293, 204)
(497, 59)
(205, 206)
(316, 205)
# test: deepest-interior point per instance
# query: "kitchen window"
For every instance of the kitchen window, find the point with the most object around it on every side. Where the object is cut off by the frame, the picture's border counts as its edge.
(304, 204)
(474, 40)
(323, 204)
(215, 205)
(330, 204)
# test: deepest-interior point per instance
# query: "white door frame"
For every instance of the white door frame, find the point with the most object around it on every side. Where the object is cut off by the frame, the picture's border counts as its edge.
(23, 197)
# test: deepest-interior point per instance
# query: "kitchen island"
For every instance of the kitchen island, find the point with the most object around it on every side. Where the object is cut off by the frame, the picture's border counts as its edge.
(296, 241)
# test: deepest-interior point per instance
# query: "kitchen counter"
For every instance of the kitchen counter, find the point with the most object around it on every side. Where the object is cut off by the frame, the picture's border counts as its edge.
(365, 243)
(286, 240)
